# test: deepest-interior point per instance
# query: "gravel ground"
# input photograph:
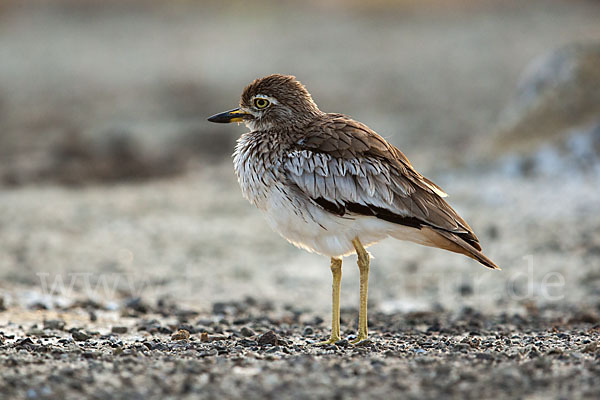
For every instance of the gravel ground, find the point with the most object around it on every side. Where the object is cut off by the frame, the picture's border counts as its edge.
(252, 349)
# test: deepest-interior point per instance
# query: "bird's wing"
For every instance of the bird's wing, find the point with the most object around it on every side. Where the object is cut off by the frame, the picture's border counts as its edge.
(345, 167)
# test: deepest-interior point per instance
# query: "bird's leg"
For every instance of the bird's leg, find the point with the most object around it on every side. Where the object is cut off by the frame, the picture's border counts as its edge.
(336, 271)
(363, 266)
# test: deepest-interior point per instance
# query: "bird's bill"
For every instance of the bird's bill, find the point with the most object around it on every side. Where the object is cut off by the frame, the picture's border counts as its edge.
(235, 115)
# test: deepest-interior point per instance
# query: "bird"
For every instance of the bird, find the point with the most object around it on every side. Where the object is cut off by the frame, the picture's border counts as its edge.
(333, 186)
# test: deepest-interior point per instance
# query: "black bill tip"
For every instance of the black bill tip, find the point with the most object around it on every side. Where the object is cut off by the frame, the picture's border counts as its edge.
(235, 115)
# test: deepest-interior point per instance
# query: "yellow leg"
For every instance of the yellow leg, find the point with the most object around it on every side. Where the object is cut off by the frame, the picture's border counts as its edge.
(363, 266)
(336, 271)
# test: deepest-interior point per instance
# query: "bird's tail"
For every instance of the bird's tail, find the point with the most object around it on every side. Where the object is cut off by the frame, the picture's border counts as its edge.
(452, 242)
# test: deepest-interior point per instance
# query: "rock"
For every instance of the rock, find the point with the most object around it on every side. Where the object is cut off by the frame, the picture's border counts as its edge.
(24, 343)
(591, 347)
(247, 342)
(204, 337)
(247, 332)
(554, 118)
(137, 305)
(38, 305)
(80, 336)
(56, 324)
(308, 331)
(153, 326)
(119, 329)
(92, 315)
(181, 334)
(221, 308)
(187, 327)
(364, 343)
(268, 338)
(585, 317)
(555, 90)
(493, 231)
(465, 289)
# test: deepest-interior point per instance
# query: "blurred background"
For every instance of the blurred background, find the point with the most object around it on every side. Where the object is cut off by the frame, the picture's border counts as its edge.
(114, 186)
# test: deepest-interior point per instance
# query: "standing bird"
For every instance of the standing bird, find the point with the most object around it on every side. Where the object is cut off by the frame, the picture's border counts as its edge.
(331, 185)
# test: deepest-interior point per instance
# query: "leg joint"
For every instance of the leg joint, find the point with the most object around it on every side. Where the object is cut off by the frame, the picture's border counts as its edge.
(336, 265)
(361, 253)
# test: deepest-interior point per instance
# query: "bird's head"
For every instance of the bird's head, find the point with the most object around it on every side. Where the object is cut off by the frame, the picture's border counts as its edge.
(275, 100)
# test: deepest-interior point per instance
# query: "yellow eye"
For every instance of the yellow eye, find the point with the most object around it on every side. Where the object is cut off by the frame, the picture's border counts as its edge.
(259, 102)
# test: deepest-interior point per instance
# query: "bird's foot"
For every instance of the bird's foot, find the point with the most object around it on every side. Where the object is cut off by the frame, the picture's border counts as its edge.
(359, 338)
(331, 340)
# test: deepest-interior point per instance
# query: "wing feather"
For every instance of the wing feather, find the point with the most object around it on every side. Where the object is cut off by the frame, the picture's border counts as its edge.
(343, 165)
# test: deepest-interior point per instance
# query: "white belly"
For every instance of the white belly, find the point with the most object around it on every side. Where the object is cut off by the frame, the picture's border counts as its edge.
(308, 226)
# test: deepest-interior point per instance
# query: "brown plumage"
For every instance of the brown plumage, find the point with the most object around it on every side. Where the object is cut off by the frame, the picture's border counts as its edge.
(330, 184)
(418, 203)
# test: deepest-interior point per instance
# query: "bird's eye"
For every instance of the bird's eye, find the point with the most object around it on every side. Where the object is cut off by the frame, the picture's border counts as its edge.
(261, 103)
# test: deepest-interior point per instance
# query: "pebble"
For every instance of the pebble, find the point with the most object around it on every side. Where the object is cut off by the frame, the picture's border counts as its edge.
(591, 348)
(80, 336)
(268, 338)
(181, 334)
(56, 324)
(119, 329)
(308, 331)
(247, 332)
